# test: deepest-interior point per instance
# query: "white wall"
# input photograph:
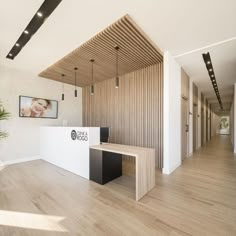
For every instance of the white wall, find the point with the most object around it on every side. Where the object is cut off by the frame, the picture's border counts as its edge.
(172, 114)
(190, 134)
(217, 123)
(23, 140)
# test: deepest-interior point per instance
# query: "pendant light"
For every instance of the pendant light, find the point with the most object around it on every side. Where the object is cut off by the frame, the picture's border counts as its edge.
(75, 69)
(92, 85)
(117, 81)
(62, 80)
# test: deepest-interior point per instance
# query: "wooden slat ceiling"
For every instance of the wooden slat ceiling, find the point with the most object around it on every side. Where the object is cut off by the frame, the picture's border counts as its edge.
(136, 52)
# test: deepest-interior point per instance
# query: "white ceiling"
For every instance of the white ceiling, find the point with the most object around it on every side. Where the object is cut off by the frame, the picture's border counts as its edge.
(223, 59)
(177, 26)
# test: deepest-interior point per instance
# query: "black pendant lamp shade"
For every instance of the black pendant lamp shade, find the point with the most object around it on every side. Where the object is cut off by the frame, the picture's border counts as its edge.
(75, 69)
(62, 96)
(117, 82)
(92, 85)
(92, 89)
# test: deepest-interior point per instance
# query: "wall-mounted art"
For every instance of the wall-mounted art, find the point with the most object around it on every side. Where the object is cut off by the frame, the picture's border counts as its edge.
(37, 107)
(224, 122)
(224, 125)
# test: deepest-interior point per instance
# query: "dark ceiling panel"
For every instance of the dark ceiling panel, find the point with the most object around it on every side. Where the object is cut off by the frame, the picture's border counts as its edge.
(209, 66)
(36, 22)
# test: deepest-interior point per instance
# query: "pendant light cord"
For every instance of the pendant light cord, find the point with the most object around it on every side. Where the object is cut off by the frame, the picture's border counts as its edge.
(92, 61)
(75, 78)
(75, 69)
(62, 80)
(117, 67)
(62, 76)
(92, 72)
(117, 51)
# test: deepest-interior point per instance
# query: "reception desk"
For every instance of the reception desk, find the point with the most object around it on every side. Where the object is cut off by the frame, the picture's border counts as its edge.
(144, 164)
(78, 150)
(68, 147)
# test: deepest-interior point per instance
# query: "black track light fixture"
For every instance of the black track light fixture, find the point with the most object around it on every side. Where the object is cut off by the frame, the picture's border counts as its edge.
(209, 66)
(45, 10)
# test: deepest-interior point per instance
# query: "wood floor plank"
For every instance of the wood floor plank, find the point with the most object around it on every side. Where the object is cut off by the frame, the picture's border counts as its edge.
(197, 199)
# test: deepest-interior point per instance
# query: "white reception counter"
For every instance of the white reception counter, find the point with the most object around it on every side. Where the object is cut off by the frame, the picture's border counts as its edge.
(68, 147)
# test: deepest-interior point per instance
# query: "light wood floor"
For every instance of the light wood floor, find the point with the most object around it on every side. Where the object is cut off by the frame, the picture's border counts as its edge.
(199, 198)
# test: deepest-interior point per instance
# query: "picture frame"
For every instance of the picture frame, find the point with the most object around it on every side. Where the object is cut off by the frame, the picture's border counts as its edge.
(34, 107)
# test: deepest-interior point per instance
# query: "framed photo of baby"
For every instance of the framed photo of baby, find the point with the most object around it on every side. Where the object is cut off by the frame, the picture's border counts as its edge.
(37, 107)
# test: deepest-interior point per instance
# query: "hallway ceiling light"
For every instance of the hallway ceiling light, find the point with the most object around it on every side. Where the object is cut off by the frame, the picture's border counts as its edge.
(36, 22)
(40, 14)
(209, 66)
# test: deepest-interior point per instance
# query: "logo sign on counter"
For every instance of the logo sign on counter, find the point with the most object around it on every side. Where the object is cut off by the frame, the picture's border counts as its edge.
(79, 135)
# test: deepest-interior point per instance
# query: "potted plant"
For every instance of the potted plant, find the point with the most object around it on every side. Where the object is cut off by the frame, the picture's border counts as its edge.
(4, 115)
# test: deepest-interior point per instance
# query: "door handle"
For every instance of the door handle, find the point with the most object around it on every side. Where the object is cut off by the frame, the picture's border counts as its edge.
(187, 126)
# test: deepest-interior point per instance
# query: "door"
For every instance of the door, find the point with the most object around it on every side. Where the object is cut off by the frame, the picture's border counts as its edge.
(195, 135)
(202, 126)
(184, 128)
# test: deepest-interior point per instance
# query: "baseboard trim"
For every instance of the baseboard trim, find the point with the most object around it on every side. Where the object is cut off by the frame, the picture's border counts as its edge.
(20, 160)
(168, 171)
(190, 154)
(1, 163)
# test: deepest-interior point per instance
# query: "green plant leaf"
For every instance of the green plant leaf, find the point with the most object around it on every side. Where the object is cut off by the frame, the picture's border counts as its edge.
(3, 135)
(4, 115)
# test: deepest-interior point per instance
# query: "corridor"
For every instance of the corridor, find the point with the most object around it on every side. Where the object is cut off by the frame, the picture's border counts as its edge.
(200, 196)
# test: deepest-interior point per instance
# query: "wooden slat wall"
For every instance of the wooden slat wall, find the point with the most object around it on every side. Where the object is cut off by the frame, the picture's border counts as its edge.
(134, 111)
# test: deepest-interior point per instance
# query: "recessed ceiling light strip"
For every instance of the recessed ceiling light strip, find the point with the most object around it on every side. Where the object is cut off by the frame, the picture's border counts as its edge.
(38, 19)
(210, 69)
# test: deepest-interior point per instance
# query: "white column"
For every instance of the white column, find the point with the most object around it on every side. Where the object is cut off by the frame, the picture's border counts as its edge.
(172, 114)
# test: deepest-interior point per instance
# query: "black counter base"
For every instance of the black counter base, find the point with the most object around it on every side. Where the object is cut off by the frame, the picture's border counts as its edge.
(104, 166)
